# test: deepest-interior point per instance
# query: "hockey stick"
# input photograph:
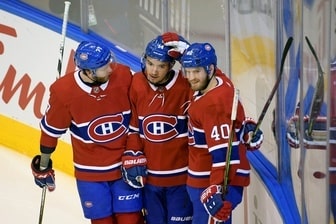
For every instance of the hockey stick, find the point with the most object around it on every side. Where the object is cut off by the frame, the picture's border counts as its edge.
(318, 94)
(316, 103)
(231, 133)
(276, 85)
(315, 109)
(64, 28)
(42, 204)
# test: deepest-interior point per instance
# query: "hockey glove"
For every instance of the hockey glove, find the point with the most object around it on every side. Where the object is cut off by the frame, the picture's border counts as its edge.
(177, 42)
(213, 203)
(252, 142)
(44, 177)
(133, 168)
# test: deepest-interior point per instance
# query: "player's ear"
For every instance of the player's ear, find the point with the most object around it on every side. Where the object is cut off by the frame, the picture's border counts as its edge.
(211, 69)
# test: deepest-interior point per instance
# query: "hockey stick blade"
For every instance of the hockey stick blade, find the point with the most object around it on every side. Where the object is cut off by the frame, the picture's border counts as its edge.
(276, 85)
(319, 92)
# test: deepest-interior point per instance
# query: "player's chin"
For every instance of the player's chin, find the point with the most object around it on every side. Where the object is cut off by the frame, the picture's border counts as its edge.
(195, 86)
(153, 79)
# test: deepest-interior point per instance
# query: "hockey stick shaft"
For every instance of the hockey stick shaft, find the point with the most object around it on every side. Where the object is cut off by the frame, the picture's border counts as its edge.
(231, 137)
(42, 204)
(313, 114)
(276, 85)
(319, 91)
(63, 35)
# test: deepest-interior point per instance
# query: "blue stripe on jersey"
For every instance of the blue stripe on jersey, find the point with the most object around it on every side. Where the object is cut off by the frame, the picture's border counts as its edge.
(203, 174)
(219, 154)
(133, 130)
(80, 132)
(199, 137)
(51, 131)
(243, 173)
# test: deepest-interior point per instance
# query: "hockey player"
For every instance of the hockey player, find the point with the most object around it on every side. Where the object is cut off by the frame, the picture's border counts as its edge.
(158, 132)
(209, 122)
(318, 138)
(93, 104)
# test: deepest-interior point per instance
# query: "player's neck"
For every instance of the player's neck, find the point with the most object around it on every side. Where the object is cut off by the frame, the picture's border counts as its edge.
(212, 84)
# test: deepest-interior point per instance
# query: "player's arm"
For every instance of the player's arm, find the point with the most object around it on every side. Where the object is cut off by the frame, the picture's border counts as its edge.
(134, 162)
(51, 124)
(217, 203)
(216, 129)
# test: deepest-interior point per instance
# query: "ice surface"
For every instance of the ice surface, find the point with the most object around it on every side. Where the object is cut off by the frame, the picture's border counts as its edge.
(21, 198)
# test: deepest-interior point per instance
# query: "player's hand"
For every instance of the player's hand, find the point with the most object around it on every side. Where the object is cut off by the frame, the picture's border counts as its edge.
(133, 168)
(252, 142)
(44, 177)
(213, 203)
(177, 43)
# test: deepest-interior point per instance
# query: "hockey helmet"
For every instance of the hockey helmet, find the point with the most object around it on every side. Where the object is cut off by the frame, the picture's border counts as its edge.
(199, 55)
(91, 55)
(157, 50)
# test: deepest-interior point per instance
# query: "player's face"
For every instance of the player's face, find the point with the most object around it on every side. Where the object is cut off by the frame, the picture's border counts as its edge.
(156, 70)
(103, 73)
(197, 78)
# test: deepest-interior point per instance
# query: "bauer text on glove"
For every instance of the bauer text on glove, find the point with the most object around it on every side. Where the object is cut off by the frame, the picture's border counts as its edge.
(44, 177)
(133, 168)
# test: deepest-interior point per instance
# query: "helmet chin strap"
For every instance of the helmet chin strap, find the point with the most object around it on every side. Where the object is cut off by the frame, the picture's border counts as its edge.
(208, 80)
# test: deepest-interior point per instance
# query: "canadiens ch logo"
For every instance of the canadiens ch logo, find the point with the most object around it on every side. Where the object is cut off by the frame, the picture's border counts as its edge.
(160, 128)
(106, 128)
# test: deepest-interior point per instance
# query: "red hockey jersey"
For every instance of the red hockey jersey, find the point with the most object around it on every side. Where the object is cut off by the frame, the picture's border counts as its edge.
(209, 125)
(159, 127)
(98, 120)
